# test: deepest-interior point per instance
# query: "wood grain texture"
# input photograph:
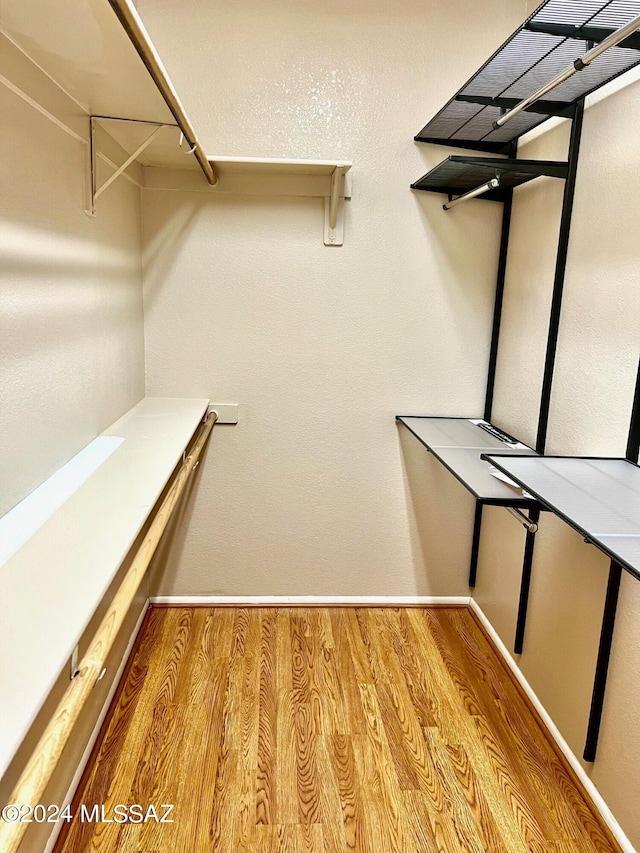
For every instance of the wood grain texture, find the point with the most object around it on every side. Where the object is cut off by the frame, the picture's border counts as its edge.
(342, 730)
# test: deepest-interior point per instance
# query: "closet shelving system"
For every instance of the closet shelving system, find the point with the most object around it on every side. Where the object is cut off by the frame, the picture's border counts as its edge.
(104, 82)
(562, 53)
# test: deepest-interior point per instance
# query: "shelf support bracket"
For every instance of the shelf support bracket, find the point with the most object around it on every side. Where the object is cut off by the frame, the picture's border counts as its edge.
(602, 664)
(525, 579)
(334, 206)
(97, 191)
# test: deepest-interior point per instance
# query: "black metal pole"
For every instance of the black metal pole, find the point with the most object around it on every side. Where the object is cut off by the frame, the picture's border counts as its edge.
(558, 282)
(497, 307)
(525, 583)
(493, 351)
(475, 544)
(633, 444)
(602, 665)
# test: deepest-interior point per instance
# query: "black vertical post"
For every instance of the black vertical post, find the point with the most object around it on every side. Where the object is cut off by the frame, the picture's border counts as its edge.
(525, 583)
(550, 357)
(497, 307)
(558, 281)
(493, 352)
(475, 544)
(633, 444)
(602, 664)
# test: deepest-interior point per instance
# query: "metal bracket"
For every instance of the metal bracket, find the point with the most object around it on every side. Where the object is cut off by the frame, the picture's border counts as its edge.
(227, 412)
(96, 191)
(334, 206)
(74, 663)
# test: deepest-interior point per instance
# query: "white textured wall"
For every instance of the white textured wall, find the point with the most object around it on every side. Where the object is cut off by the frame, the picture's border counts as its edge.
(71, 333)
(313, 492)
(71, 350)
(596, 365)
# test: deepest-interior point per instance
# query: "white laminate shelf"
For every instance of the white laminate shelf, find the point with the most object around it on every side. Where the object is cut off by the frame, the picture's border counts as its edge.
(598, 497)
(458, 444)
(53, 584)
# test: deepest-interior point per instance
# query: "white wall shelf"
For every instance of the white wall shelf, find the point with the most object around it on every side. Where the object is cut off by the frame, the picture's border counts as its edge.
(90, 80)
(53, 584)
(327, 179)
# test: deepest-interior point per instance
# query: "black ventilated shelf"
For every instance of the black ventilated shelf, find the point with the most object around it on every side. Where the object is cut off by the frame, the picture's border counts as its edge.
(545, 45)
(458, 174)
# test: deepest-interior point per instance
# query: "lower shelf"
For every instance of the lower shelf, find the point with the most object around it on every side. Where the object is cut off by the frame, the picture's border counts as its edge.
(459, 443)
(600, 498)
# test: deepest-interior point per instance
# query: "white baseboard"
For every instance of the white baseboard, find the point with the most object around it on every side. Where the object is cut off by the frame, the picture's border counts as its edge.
(96, 729)
(310, 600)
(554, 731)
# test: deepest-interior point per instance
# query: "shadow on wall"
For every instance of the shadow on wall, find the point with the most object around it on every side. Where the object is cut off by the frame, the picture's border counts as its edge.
(163, 245)
(441, 521)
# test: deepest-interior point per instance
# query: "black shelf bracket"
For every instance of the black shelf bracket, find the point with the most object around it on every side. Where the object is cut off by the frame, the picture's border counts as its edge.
(602, 664)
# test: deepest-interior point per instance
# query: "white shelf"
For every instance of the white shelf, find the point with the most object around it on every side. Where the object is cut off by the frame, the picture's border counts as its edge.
(598, 497)
(258, 176)
(52, 586)
(274, 165)
(459, 443)
(86, 51)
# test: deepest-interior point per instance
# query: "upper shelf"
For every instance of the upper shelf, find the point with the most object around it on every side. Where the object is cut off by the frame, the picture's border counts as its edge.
(600, 498)
(555, 35)
(93, 68)
(459, 174)
(83, 47)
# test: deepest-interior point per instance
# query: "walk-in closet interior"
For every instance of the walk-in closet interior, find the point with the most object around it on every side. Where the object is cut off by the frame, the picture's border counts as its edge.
(320, 426)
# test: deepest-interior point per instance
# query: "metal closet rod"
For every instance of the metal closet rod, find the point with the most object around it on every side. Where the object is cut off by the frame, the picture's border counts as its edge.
(493, 184)
(133, 26)
(578, 65)
(529, 524)
(44, 759)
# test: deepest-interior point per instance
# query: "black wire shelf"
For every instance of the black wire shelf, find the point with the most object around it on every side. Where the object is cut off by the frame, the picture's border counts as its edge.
(459, 174)
(555, 35)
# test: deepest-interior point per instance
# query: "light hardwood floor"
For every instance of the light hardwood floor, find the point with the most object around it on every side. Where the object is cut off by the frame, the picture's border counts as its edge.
(327, 729)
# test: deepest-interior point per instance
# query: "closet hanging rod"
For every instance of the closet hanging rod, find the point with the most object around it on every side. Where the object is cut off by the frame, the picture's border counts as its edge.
(578, 65)
(133, 26)
(493, 184)
(529, 525)
(44, 759)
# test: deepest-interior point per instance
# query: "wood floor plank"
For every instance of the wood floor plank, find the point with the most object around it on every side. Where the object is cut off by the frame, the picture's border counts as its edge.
(308, 730)
(539, 755)
(457, 727)
(286, 778)
(267, 722)
(347, 674)
(340, 748)
(529, 753)
(309, 838)
(381, 779)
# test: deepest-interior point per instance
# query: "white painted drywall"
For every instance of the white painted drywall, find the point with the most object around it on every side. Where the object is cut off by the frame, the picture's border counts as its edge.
(596, 365)
(71, 351)
(315, 491)
(71, 328)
